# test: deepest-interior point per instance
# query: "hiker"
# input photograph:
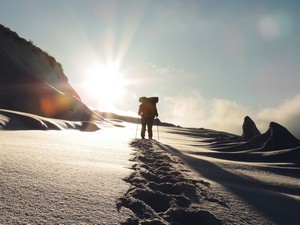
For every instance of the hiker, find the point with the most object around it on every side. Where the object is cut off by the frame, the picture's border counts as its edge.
(148, 112)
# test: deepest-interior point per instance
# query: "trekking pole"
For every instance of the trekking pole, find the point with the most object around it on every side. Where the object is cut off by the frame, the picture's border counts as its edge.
(137, 124)
(157, 129)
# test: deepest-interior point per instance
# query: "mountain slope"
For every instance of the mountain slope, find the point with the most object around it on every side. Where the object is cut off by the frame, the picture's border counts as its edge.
(33, 81)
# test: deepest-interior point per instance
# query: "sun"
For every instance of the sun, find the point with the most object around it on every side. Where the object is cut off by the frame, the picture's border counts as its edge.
(105, 84)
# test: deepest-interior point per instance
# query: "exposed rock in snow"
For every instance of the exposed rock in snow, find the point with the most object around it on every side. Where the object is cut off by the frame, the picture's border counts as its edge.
(280, 138)
(249, 129)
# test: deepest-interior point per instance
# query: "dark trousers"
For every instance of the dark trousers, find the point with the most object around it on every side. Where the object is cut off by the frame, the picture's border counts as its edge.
(147, 122)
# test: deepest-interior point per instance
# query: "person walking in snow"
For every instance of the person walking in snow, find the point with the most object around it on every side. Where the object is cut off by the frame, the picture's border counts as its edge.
(147, 111)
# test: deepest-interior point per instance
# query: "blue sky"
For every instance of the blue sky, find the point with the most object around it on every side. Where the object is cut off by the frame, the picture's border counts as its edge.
(211, 62)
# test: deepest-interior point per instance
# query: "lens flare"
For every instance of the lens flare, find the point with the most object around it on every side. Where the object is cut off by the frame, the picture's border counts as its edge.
(105, 83)
(273, 26)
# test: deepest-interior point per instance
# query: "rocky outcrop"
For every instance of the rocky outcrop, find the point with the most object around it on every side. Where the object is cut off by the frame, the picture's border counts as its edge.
(279, 138)
(276, 137)
(33, 81)
(249, 129)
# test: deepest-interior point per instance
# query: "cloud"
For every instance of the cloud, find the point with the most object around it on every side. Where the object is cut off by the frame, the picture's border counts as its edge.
(226, 115)
(195, 111)
(184, 111)
(286, 114)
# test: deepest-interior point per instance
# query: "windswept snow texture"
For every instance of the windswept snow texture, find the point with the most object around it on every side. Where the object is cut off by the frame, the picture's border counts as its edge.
(63, 177)
(259, 186)
(187, 177)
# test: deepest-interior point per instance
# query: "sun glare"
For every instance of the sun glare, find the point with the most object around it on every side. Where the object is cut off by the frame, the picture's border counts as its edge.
(106, 84)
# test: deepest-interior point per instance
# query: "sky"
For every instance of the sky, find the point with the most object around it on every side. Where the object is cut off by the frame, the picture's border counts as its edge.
(211, 62)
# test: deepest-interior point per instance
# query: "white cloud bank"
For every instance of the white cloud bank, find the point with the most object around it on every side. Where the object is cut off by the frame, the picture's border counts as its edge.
(226, 115)
(184, 110)
(286, 114)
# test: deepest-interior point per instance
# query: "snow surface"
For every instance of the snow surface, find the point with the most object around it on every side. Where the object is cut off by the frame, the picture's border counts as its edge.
(111, 177)
(255, 192)
(68, 177)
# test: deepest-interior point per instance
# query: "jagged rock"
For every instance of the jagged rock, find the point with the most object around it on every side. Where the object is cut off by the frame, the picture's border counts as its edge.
(249, 129)
(276, 137)
(280, 138)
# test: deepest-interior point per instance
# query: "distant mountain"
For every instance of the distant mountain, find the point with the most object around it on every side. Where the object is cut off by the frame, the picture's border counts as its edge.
(33, 81)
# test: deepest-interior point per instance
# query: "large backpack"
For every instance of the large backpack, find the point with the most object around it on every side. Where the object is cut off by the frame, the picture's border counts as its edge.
(150, 99)
(148, 107)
